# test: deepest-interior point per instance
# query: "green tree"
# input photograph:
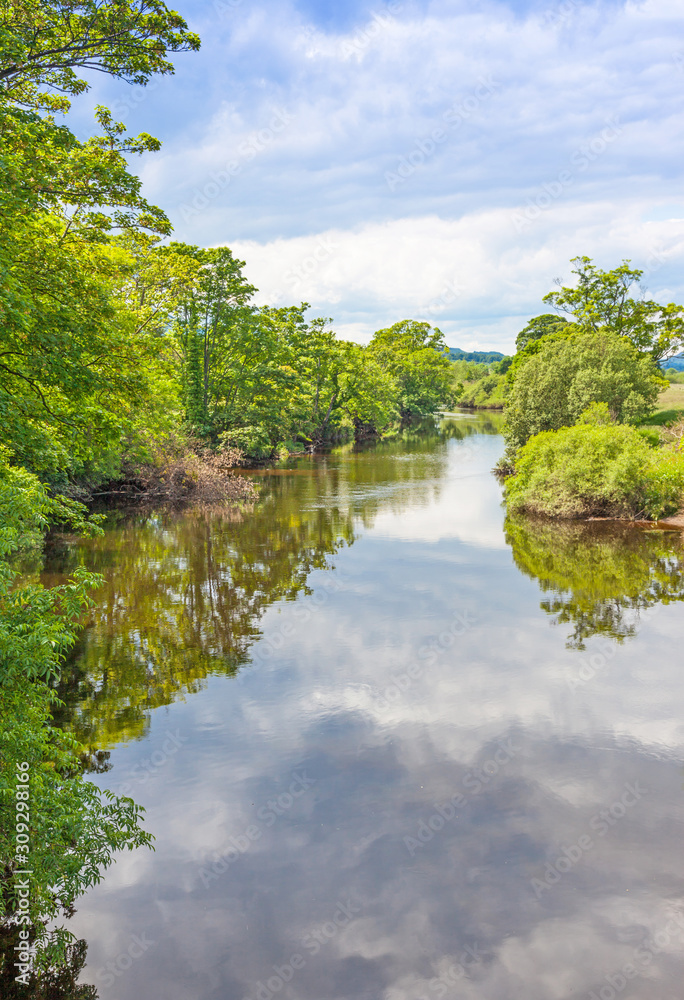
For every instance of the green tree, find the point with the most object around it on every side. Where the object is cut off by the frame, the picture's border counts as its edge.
(606, 300)
(72, 829)
(567, 373)
(70, 368)
(415, 355)
(211, 320)
(538, 327)
(44, 43)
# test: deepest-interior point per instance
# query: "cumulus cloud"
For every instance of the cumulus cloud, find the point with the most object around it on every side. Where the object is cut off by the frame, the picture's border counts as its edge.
(478, 277)
(413, 135)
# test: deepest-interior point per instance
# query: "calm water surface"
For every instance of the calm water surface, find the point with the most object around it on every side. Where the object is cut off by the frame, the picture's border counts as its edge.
(390, 746)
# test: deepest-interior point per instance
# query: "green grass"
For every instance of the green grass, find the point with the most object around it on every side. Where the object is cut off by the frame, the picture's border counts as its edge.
(671, 407)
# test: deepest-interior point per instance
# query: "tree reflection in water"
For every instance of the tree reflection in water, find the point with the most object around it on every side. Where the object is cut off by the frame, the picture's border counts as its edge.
(599, 576)
(184, 593)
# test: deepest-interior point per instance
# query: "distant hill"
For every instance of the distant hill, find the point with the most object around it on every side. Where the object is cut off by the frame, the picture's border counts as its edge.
(676, 362)
(483, 357)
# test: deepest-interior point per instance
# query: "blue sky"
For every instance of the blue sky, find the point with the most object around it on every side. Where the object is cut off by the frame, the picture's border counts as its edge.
(435, 160)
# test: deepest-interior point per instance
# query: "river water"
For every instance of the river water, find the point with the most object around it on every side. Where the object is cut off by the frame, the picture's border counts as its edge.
(390, 745)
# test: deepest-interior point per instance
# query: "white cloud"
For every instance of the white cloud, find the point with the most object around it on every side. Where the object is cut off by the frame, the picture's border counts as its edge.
(520, 99)
(477, 277)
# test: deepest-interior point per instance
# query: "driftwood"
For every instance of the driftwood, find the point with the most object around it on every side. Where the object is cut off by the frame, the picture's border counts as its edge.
(180, 477)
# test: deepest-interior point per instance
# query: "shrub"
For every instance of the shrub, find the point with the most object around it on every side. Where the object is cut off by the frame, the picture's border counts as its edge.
(554, 386)
(595, 469)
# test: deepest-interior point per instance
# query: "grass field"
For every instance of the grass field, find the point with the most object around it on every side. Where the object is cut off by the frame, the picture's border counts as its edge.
(672, 398)
(670, 407)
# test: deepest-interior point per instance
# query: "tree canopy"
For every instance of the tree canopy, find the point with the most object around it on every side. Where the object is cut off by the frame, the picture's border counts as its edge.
(45, 43)
(415, 355)
(614, 301)
(566, 374)
(538, 327)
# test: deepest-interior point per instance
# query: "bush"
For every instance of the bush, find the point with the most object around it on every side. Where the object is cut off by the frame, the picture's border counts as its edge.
(487, 392)
(554, 386)
(596, 470)
(254, 441)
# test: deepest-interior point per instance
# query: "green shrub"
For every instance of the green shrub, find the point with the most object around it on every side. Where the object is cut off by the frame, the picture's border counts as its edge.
(253, 441)
(595, 469)
(554, 386)
(488, 391)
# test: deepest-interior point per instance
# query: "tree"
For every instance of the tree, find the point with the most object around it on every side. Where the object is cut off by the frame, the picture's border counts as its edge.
(73, 366)
(415, 355)
(370, 393)
(538, 327)
(605, 300)
(44, 43)
(556, 384)
(210, 319)
(71, 828)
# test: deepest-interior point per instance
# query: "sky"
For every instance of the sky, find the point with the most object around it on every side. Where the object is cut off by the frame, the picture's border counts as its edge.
(437, 160)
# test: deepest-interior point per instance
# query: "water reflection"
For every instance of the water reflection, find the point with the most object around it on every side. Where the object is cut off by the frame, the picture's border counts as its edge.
(381, 803)
(60, 982)
(599, 577)
(184, 594)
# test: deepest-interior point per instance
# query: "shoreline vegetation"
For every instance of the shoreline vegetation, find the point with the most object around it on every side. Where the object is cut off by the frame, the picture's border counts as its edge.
(136, 367)
(584, 437)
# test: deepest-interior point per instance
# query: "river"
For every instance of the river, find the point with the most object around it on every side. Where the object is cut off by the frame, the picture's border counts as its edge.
(391, 746)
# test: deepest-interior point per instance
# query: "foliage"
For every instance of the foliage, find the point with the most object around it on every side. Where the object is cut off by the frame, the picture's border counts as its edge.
(595, 469)
(74, 364)
(73, 828)
(565, 374)
(255, 378)
(43, 43)
(486, 392)
(482, 357)
(538, 327)
(414, 355)
(604, 300)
